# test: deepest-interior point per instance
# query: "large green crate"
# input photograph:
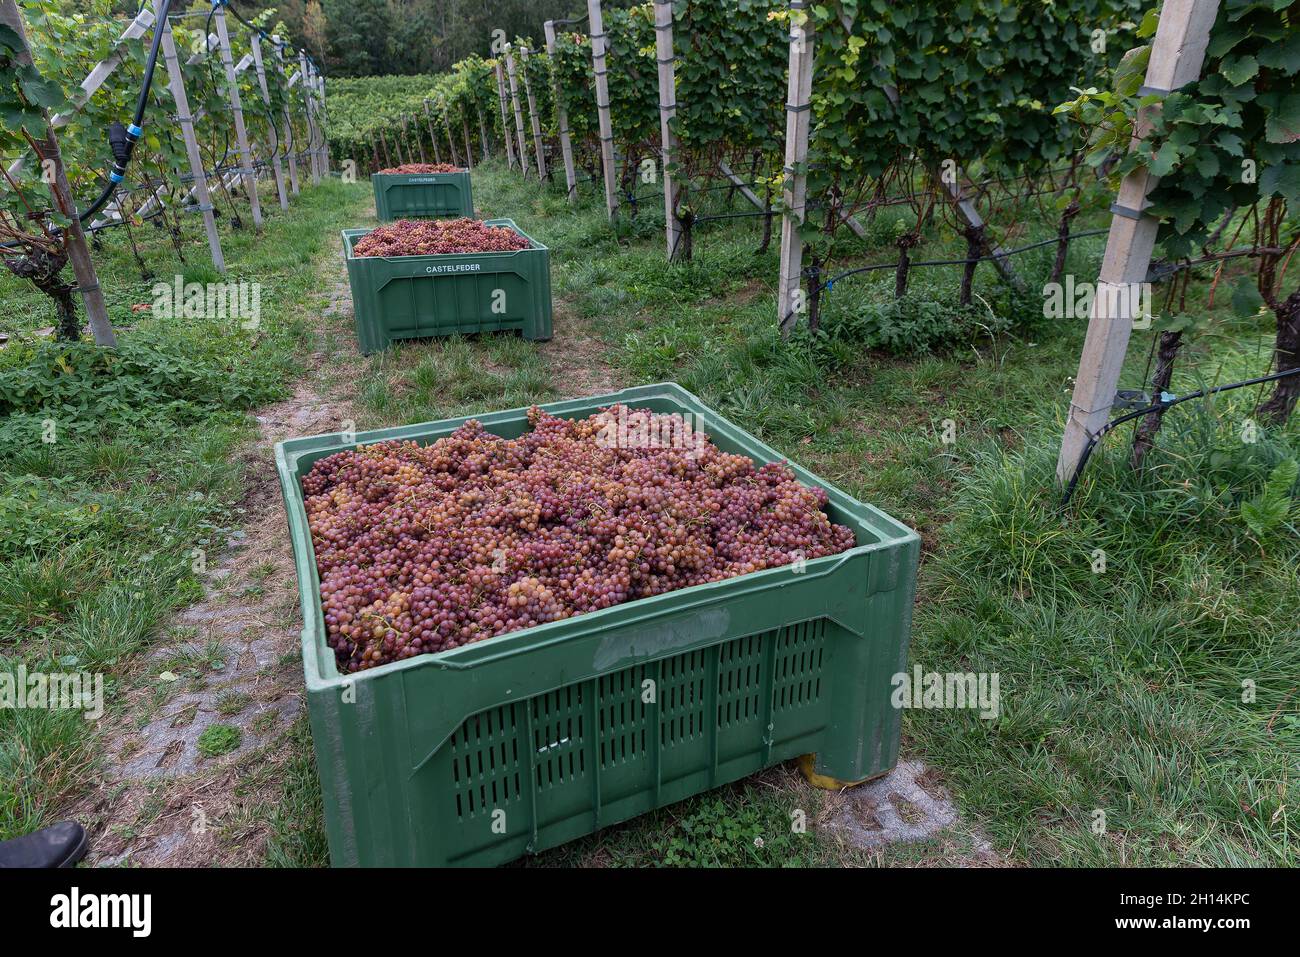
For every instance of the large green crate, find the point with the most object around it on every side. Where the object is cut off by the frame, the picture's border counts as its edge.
(549, 724)
(422, 195)
(415, 297)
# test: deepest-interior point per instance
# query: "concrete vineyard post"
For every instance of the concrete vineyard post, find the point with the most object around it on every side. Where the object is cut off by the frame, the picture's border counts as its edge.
(305, 83)
(532, 115)
(324, 122)
(277, 168)
(598, 68)
(505, 121)
(186, 120)
(317, 121)
(1177, 54)
(667, 110)
(290, 148)
(562, 121)
(247, 171)
(518, 111)
(798, 106)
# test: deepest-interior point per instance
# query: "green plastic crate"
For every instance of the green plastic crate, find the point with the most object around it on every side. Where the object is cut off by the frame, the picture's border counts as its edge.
(416, 297)
(546, 733)
(422, 195)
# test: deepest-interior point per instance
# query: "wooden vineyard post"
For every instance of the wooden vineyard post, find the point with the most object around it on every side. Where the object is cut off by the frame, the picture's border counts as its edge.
(290, 148)
(433, 133)
(518, 111)
(798, 107)
(1177, 54)
(186, 120)
(599, 71)
(469, 151)
(505, 122)
(74, 241)
(248, 173)
(532, 115)
(277, 168)
(562, 120)
(667, 110)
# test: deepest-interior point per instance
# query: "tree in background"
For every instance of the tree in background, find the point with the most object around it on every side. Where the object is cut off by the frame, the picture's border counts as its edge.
(370, 37)
(357, 32)
(314, 31)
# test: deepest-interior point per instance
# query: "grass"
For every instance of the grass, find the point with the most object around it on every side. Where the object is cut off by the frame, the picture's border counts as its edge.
(219, 739)
(100, 528)
(1122, 691)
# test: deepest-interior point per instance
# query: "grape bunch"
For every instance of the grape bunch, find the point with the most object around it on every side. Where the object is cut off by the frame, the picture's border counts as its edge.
(425, 548)
(436, 237)
(414, 168)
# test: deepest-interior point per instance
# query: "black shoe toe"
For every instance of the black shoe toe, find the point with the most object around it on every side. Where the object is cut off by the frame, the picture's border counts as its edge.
(60, 845)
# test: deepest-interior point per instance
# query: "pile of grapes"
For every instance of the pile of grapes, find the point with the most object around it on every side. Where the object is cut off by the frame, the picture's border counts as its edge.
(413, 168)
(425, 548)
(435, 237)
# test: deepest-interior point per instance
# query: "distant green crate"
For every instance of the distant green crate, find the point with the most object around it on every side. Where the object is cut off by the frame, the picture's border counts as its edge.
(480, 754)
(415, 297)
(422, 195)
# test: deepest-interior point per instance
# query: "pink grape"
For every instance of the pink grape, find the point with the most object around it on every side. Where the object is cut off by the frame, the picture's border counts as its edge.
(425, 548)
(434, 237)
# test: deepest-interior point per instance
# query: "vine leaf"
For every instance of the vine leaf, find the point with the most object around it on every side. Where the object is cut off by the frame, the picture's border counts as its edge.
(1240, 69)
(40, 91)
(1246, 299)
(1283, 124)
(1283, 179)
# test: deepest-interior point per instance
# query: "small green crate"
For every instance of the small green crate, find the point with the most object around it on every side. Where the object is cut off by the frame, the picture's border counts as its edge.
(417, 297)
(484, 753)
(422, 195)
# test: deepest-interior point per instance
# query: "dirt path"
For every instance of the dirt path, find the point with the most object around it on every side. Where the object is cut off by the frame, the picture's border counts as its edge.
(231, 661)
(576, 358)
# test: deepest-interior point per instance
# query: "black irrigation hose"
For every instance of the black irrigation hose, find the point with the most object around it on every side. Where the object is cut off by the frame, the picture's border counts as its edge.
(1157, 407)
(742, 214)
(123, 147)
(122, 157)
(961, 262)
